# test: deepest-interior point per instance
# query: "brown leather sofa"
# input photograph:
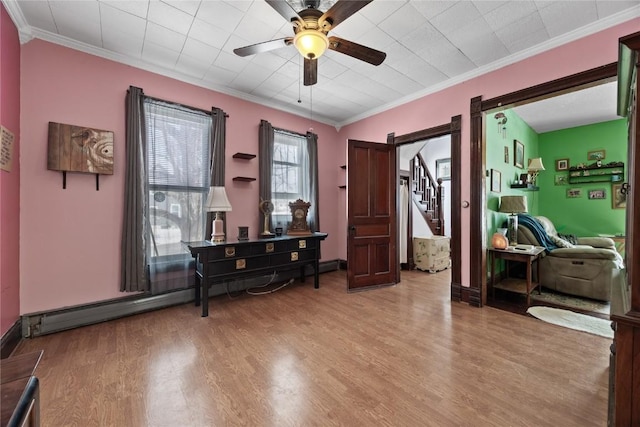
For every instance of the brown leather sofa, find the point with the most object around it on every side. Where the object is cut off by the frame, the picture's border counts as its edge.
(586, 269)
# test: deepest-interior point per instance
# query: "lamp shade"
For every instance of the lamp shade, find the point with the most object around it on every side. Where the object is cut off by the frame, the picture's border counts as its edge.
(535, 164)
(513, 204)
(217, 200)
(311, 43)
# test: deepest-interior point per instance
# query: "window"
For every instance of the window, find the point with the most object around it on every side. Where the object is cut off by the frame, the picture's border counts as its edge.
(178, 141)
(288, 182)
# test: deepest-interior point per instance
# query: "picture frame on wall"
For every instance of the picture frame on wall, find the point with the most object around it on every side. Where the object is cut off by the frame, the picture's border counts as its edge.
(496, 180)
(598, 194)
(561, 179)
(618, 199)
(562, 164)
(518, 154)
(443, 169)
(574, 193)
(596, 155)
(506, 154)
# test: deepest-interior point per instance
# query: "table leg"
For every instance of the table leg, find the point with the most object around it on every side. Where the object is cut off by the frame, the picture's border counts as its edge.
(538, 275)
(316, 274)
(493, 274)
(529, 282)
(197, 286)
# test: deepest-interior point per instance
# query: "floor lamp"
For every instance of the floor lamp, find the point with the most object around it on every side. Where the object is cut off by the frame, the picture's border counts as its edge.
(217, 201)
(513, 205)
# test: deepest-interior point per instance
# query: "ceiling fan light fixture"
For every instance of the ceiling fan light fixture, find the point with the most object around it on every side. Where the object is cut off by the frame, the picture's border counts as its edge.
(311, 43)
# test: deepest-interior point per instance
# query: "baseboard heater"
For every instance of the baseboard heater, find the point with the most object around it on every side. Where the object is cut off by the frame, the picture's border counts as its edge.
(48, 322)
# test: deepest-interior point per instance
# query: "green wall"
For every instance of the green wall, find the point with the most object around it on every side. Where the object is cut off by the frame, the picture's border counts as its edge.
(581, 216)
(496, 141)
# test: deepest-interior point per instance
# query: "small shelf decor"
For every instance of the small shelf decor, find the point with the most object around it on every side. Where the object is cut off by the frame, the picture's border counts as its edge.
(582, 174)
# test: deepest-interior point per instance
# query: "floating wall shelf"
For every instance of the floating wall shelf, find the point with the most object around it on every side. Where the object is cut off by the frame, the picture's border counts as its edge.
(244, 156)
(243, 178)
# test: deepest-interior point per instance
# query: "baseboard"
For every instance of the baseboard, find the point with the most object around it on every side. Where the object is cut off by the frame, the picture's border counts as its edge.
(10, 340)
(47, 322)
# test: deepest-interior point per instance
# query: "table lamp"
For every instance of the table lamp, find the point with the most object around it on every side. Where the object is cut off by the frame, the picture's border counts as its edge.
(217, 202)
(513, 205)
(535, 166)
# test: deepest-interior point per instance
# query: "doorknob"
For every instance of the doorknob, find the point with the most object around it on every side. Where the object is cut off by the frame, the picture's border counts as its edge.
(352, 229)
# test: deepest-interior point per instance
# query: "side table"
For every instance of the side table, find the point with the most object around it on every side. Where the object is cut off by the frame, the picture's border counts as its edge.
(514, 284)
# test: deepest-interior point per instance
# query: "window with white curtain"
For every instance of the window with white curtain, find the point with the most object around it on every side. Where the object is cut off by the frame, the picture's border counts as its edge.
(289, 174)
(178, 141)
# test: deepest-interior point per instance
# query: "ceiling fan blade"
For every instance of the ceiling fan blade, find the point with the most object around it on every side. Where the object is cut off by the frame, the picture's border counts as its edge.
(341, 10)
(356, 50)
(284, 9)
(263, 47)
(310, 71)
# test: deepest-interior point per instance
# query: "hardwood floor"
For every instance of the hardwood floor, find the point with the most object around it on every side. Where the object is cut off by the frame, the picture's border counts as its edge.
(397, 356)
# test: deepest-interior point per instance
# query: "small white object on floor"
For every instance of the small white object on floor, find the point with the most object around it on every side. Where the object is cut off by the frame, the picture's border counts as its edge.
(569, 319)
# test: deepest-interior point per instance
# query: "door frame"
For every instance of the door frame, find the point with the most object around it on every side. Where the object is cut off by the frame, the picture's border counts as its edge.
(452, 128)
(476, 293)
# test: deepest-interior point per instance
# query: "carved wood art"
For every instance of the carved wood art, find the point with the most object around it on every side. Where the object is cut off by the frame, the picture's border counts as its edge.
(79, 149)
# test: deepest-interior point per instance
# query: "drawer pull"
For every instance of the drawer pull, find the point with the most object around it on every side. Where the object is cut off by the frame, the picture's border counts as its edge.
(229, 251)
(302, 244)
(294, 256)
(577, 262)
(269, 247)
(241, 264)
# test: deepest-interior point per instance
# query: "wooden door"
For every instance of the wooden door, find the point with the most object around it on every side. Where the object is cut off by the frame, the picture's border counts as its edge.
(371, 215)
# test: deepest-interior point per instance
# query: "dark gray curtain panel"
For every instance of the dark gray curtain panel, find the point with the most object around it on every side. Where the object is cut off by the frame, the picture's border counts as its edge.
(265, 139)
(217, 161)
(314, 211)
(134, 277)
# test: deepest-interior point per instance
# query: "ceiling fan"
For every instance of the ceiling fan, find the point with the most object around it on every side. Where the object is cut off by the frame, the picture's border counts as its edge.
(311, 27)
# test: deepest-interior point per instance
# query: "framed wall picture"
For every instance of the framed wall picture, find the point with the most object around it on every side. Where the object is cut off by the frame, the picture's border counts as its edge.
(506, 154)
(562, 164)
(597, 194)
(561, 179)
(496, 180)
(518, 154)
(596, 155)
(618, 199)
(443, 169)
(573, 193)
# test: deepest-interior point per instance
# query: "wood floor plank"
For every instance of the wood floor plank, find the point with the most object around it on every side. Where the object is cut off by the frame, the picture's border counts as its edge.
(398, 356)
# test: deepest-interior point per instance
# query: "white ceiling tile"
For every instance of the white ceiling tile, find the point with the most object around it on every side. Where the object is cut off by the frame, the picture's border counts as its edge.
(188, 6)
(38, 16)
(231, 62)
(425, 42)
(139, 8)
(563, 17)
(169, 17)
(402, 21)
(191, 66)
(431, 9)
(116, 20)
(209, 33)
(122, 43)
(197, 49)
(219, 76)
(160, 55)
(457, 16)
(378, 11)
(220, 14)
(509, 12)
(165, 37)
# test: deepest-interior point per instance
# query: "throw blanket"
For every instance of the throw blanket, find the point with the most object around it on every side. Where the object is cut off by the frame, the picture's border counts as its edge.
(538, 231)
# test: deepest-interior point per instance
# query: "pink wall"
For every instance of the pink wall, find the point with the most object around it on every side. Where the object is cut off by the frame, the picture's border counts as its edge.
(10, 181)
(438, 108)
(70, 242)
(73, 235)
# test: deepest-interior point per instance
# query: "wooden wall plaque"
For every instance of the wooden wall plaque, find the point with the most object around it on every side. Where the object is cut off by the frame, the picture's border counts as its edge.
(80, 149)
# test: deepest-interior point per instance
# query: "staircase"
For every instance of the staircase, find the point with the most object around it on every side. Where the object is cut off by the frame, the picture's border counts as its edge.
(427, 194)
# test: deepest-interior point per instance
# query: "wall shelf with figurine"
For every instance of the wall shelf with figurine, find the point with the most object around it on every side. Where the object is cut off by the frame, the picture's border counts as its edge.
(610, 172)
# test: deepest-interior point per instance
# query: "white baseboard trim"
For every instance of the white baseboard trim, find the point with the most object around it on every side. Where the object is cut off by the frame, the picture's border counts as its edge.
(47, 322)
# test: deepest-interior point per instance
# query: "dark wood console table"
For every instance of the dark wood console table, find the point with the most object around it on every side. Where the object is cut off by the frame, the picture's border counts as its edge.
(217, 262)
(20, 390)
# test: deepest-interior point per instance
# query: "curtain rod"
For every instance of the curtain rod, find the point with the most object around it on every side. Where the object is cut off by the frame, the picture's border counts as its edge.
(182, 105)
(288, 132)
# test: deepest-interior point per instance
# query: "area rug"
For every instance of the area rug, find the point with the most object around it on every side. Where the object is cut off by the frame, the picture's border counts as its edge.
(571, 302)
(569, 319)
